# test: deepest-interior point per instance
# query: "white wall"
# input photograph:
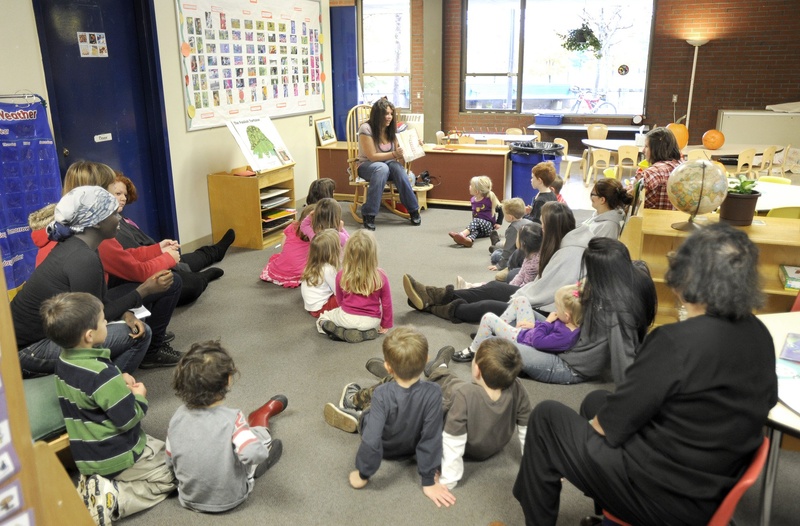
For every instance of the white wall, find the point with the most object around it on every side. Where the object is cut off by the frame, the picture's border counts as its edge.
(193, 154)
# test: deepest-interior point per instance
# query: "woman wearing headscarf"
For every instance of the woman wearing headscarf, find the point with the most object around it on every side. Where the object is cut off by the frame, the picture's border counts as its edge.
(83, 218)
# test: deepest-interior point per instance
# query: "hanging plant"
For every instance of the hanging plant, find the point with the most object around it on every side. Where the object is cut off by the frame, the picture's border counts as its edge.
(582, 39)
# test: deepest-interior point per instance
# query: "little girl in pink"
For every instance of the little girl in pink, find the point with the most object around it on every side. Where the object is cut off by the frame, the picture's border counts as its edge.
(286, 267)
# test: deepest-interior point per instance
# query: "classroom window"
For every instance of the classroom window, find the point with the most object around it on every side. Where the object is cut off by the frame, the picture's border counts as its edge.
(386, 50)
(513, 59)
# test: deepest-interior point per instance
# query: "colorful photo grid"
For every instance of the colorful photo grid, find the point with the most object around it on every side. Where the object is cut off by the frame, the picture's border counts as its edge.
(242, 62)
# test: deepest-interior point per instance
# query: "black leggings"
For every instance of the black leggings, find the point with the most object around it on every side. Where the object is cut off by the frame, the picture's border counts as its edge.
(492, 296)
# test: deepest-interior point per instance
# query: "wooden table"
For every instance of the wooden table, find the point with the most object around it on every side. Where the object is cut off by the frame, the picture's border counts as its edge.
(609, 144)
(732, 149)
(781, 419)
(484, 137)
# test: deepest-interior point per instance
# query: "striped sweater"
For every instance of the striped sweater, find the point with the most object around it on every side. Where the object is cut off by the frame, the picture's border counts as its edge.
(102, 415)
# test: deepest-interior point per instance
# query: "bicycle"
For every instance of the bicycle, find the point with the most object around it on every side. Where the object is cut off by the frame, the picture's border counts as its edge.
(592, 104)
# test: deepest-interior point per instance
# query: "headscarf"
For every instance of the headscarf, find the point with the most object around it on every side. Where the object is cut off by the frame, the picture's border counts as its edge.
(83, 207)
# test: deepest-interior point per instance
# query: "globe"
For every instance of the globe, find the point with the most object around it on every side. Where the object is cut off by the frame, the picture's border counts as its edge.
(696, 187)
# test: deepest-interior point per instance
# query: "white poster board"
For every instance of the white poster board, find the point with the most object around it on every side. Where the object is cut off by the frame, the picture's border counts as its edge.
(260, 142)
(246, 58)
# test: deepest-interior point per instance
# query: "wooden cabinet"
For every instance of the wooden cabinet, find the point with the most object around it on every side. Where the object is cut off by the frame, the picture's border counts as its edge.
(258, 207)
(452, 170)
(650, 237)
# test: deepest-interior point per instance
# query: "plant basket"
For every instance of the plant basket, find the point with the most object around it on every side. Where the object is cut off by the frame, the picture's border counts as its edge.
(739, 209)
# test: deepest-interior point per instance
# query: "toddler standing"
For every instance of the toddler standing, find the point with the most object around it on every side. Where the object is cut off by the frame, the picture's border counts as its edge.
(216, 453)
(318, 287)
(362, 292)
(558, 333)
(483, 202)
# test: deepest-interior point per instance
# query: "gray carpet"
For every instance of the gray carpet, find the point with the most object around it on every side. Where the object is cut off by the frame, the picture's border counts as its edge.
(277, 350)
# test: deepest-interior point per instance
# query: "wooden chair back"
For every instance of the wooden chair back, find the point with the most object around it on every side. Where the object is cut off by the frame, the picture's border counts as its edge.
(357, 116)
(514, 131)
(537, 135)
(767, 158)
(745, 162)
(627, 153)
(782, 165)
(597, 131)
(698, 155)
(495, 140)
(601, 159)
(466, 139)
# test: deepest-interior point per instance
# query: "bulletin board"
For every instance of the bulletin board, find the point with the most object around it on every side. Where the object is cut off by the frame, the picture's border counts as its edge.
(247, 58)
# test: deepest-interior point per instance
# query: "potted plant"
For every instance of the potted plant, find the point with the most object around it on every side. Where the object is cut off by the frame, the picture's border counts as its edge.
(739, 205)
(582, 39)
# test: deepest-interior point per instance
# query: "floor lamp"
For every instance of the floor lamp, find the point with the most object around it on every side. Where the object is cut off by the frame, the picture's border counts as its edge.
(696, 42)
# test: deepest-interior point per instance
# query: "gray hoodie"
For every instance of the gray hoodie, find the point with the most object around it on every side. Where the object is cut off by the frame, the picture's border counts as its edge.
(608, 224)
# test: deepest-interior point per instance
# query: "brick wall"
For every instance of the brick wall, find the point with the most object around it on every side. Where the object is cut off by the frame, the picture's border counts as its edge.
(751, 61)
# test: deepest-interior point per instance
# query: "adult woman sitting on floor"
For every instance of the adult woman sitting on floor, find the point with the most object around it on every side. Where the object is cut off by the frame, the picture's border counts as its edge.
(380, 159)
(559, 265)
(677, 434)
(609, 199)
(619, 305)
(189, 266)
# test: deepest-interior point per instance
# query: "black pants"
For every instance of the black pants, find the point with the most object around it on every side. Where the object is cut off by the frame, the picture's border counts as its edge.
(161, 306)
(492, 296)
(561, 443)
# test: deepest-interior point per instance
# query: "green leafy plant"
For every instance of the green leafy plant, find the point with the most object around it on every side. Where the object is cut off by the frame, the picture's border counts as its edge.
(582, 39)
(742, 186)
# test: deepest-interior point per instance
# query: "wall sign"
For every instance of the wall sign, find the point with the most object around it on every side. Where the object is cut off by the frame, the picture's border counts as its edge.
(247, 58)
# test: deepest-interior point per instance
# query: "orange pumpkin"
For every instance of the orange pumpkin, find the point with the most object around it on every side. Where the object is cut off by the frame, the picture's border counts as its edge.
(681, 133)
(713, 139)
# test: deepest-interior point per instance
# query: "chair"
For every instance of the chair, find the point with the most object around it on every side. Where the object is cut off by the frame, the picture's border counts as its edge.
(601, 160)
(745, 163)
(784, 161)
(495, 140)
(569, 159)
(627, 153)
(514, 131)
(767, 158)
(357, 116)
(595, 131)
(775, 179)
(724, 513)
(790, 212)
(537, 135)
(466, 139)
(698, 155)
(440, 138)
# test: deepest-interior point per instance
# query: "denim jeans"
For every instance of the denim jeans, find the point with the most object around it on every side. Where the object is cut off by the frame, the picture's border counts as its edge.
(39, 359)
(378, 173)
(547, 368)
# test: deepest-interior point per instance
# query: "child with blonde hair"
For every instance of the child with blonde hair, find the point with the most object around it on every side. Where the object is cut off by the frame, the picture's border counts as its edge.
(362, 292)
(286, 267)
(318, 286)
(558, 333)
(483, 202)
(326, 214)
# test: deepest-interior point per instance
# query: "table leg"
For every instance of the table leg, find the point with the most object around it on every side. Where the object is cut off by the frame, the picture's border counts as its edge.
(770, 474)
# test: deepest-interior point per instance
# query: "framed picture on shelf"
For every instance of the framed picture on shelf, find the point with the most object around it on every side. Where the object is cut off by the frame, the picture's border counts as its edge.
(325, 132)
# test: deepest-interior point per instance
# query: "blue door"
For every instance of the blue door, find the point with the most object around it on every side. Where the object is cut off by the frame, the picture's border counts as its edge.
(103, 76)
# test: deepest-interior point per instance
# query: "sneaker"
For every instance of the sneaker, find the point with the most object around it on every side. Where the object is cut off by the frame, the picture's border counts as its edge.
(169, 336)
(346, 400)
(333, 331)
(377, 367)
(163, 356)
(464, 356)
(357, 336)
(443, 357)
(275, 452)
(461, 283)
(416, 220)
(344, 419)
(100, 497)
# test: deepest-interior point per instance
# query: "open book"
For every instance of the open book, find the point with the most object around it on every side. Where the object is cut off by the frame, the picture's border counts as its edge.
(409, 142)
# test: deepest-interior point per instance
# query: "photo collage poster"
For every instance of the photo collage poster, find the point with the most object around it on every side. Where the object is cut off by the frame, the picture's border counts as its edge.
(247, 58)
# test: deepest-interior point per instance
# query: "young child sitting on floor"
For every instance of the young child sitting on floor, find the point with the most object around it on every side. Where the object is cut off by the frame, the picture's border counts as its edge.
(558, 333)
(542, 177)
(529, 241)
(123, 470)
(513, 210)
(318, 287)
(215, 452)
(362, 292)
(397, 419)
(327, 214)
(483, 203)
(558, 184)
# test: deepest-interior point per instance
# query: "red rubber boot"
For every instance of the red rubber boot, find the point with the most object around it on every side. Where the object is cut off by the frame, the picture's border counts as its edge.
(260, 417)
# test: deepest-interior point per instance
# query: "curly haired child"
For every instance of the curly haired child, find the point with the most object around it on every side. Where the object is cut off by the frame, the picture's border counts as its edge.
(215, 452)
(362, 292)
(483, 202)
(318, 286)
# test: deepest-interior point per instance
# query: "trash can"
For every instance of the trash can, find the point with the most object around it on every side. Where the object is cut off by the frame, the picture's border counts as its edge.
(524, 156)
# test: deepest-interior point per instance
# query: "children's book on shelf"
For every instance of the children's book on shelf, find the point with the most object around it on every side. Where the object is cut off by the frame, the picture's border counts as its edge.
(790, 277)
(409, 142)
(260, 142)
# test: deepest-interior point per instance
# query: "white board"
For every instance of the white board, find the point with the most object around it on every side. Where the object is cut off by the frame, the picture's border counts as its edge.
(759, 127)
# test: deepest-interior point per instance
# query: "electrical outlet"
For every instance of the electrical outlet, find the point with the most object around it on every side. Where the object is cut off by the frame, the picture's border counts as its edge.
(311, 118)
(674, 98)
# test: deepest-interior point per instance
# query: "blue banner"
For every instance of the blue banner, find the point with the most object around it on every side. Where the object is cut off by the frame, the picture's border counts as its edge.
(29, 180)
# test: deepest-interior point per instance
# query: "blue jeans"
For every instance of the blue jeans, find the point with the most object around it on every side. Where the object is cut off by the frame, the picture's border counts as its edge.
(547, 368)
(378, 173)
(39, 359)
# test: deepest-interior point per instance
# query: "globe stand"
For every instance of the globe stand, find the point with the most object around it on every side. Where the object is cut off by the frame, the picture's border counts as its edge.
(687, 226)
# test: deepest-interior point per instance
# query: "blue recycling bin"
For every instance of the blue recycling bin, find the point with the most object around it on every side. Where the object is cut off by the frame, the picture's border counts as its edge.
(524, 156)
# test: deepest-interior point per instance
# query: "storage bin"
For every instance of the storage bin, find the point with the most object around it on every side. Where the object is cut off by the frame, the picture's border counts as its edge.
(549, 119)
(524, 156)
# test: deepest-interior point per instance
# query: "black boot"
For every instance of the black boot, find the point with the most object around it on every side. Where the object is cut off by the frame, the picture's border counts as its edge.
(448, 312)
(369, 222)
